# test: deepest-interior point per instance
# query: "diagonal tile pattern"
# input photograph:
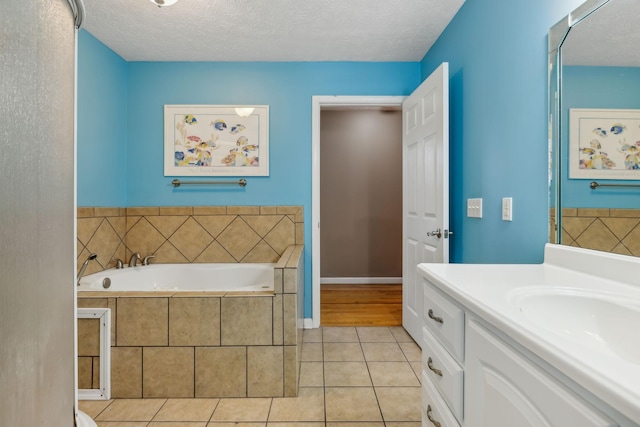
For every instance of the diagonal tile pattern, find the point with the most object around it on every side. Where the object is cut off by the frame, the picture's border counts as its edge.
(188, 234)
(351, 388)
(604, 229)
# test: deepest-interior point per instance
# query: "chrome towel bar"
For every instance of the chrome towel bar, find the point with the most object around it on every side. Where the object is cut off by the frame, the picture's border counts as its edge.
(241, 182)
(595, 185)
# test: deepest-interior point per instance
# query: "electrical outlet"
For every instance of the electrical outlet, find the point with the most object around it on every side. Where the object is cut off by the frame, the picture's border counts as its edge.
(507, 209)
(474, 208)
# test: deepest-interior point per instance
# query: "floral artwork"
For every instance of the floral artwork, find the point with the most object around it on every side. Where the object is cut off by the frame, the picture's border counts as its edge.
(211, 140)
(604, 144)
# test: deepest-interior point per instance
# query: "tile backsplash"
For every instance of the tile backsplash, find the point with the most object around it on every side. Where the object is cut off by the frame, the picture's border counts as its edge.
(186, 234)
(603, 229)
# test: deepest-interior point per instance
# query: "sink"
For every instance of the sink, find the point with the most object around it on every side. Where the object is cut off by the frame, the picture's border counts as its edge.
(601, 322)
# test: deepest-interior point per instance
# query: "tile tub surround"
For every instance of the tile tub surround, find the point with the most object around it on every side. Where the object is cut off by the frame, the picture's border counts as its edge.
(171, 344)
(603, 229)
(186, 234)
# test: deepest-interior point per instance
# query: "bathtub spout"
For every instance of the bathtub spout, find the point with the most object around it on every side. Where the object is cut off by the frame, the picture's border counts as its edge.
(84, 266)
(133, 261)
(146, 259)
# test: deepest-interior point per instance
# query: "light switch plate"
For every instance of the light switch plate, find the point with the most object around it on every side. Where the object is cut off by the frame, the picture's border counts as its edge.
(474, 208)
(507, 209)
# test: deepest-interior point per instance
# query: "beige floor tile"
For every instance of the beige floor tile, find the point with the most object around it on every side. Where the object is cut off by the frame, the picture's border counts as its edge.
(392, 374)
(337, 364)
(301, 424)
(356, 424)
(242, 409)
(400, 334)
(93, 407)
(343, 352)
(311, 374)
(308, 406)
(404, 424)
(122, 423)
(177, 424)
(186, 410)
(417, 369)
(399, 403)
(382, 352)
(351, 404)
(312, 335)
(411, 351)
(131, 410)
(224, 424)
(346, 374)
(339, 334)
(311, 352)
(375, 334)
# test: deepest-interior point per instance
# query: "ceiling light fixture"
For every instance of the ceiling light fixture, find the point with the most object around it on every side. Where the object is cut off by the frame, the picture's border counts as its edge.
(164, 3)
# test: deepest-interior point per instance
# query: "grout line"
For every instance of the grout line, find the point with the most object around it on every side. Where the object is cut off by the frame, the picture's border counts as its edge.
(214, 410)
(158, 411)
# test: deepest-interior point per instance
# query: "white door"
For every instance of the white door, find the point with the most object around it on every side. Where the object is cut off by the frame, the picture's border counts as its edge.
(425, 162)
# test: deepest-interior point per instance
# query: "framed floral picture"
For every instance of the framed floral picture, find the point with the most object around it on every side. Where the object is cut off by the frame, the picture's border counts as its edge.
(216, 140)
(604, 144)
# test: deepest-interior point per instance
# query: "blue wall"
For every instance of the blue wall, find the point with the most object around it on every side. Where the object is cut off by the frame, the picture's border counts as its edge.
(497, 50)
(497, 54)
(597, 87)
(286, 87)
(102, 124)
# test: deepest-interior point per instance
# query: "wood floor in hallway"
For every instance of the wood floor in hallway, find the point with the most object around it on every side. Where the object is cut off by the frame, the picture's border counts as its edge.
(361, 305)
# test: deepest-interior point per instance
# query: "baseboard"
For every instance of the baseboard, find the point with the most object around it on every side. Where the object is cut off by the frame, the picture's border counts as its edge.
(308, 323)
(360, 280)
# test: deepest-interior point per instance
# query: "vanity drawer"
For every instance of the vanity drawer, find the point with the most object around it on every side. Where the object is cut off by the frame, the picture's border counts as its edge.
(444, 372)
(444, 319)
(434, 409)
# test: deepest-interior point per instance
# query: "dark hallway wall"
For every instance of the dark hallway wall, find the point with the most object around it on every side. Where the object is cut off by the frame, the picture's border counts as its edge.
(361, 193)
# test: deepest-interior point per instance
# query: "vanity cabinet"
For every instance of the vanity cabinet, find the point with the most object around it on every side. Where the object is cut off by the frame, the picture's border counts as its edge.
(473, 378)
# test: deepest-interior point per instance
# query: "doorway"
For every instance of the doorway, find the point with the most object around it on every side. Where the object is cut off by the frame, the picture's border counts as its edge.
(341, 273)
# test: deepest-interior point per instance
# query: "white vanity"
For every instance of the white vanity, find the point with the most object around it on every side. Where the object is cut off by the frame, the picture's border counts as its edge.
(554, 344)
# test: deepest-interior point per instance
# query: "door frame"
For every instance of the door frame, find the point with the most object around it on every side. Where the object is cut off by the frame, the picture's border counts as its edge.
(317, 102)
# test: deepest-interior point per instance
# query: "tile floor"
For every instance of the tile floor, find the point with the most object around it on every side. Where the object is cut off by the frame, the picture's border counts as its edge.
(350, 377)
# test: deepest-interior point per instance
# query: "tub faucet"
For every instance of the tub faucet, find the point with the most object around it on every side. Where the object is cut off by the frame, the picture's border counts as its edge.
(84, 266)
(133, 261)
(146, 259)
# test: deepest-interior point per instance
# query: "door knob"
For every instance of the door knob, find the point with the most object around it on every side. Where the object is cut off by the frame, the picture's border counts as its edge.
(437, 233)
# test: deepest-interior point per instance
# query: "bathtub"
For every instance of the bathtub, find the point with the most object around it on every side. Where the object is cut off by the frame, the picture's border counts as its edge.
(183, 277)
(199, 330)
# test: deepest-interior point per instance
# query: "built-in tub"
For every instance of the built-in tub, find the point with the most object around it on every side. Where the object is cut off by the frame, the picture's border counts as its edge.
(220, 334)
(229, 277)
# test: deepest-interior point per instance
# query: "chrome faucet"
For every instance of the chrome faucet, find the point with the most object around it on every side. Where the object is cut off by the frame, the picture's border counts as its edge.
(146, 259)
(84, 266)
(133, 261)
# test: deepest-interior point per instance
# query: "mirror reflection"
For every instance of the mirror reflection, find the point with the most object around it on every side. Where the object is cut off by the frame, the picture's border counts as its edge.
(596, 128)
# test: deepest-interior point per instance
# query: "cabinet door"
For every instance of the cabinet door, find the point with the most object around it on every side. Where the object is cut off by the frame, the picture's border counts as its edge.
(505, 389)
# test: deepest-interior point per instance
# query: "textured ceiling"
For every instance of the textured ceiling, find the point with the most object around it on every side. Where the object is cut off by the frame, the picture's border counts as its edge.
(610, 36)
(270, 30)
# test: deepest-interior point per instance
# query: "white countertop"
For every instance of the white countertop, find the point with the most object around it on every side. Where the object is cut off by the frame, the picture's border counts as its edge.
(493, 292)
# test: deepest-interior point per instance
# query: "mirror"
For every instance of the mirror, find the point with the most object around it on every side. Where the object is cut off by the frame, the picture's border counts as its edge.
(594, 127)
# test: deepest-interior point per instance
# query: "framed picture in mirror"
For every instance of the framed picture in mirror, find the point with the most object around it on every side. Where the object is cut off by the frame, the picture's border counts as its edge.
(216, 140)
(604, 143)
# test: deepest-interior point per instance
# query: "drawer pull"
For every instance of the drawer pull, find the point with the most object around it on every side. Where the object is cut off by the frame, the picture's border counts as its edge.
(435, 318)
(438, 372)
(433, 421)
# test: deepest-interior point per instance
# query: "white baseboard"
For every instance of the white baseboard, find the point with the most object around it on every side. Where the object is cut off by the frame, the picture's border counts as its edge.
(360, 280)
(308, 323)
